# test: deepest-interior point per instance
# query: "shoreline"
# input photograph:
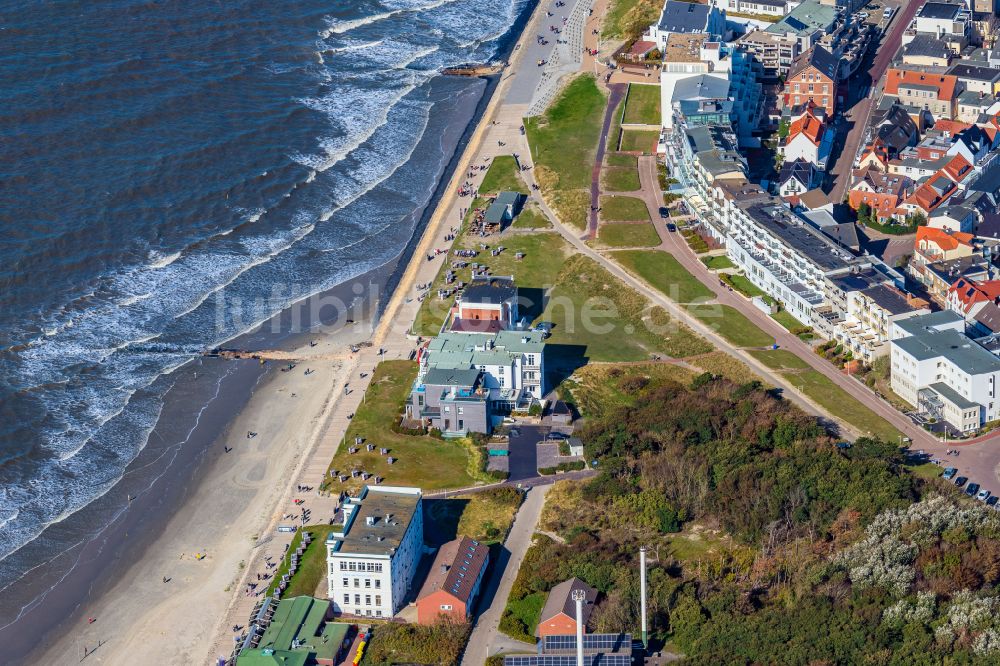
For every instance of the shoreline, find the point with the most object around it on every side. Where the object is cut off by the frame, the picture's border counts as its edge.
(396, 279)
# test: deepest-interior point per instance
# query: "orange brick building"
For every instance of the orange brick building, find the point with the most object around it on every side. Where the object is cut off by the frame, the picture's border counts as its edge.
(559, 613)
(813, 77)
(453, 582)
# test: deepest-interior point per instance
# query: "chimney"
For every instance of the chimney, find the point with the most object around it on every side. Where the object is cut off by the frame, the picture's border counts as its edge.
(444, 568)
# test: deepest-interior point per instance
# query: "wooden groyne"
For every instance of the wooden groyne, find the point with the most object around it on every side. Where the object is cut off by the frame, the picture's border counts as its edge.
(474, 70)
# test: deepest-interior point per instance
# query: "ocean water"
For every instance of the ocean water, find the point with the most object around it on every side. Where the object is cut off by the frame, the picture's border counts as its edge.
(172, 173)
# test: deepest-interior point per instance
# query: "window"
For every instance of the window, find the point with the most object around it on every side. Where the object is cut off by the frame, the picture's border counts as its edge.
(357, 582)
(368, 582)
(461, 410)
(345, 582)
(378, 599)
(347, 598)
(378, 613)
(447, 607)
(368, 600)
(378, 583)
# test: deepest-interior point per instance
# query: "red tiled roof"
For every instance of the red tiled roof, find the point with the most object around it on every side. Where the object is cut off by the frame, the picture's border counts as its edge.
(952, 127)
(944, 240)
(809, 125)
(957, 168)
(969, 292)
(945, 83)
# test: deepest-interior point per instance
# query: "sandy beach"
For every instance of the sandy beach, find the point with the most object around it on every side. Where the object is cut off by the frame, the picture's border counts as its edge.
(217, 540)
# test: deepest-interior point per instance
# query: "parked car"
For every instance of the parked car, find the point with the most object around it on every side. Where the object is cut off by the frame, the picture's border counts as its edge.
(992, 500)
(557, 436)
(949, 473)
(983, 495)
(960, 481)
(671, 226)
(972, 489)
(664, 213)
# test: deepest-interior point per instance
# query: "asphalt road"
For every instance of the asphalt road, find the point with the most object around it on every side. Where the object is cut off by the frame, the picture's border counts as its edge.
(523, 457)
(858, 114)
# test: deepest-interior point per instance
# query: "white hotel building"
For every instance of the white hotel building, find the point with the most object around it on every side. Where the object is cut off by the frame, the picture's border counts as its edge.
(944, 373)
(372, 561)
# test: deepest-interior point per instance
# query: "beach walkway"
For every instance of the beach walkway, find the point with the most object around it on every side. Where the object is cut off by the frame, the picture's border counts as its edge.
(391, 339)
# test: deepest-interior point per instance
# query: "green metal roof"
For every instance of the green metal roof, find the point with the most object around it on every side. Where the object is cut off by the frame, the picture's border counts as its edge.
(302, 619)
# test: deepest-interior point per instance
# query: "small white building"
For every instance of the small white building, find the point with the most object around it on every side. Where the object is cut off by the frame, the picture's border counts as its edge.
(372, 561)
(942, 372)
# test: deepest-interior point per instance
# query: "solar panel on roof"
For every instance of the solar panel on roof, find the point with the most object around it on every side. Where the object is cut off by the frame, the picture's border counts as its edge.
(608, 642)
(568, 660)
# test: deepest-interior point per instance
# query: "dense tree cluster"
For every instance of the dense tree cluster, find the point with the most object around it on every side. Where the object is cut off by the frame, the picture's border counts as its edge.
(832, 555)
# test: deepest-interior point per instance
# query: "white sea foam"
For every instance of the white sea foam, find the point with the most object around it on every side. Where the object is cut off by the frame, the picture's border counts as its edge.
(159, 260)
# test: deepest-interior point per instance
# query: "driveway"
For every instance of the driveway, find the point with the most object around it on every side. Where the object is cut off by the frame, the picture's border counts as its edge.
(486, 639)
(523, 457)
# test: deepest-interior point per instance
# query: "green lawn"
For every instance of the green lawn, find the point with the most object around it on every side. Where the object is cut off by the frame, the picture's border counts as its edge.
(840, 403)
(312, 565)
(628, 234)
(543, 255)
(598, 317)
(639, 140)
(620, 179)
(785, 318)
(623, 209)
(642, 106)
(717, 262)
(564, 140)
(531, 218)
(628, 19)
(621, 160)
(665, 274)
(742, 284)
(779, 359)
(423, 461)
(502, 176)
(732, 325)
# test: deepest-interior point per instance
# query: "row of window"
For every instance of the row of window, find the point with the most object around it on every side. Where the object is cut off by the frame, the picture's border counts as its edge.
(368, 582)
(360, 566)
(368, 599)
(811, 88)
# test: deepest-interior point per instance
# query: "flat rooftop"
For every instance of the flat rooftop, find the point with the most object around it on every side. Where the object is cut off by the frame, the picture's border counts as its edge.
(962, 352)
(684, 47)
(800, 236)
(390, 509)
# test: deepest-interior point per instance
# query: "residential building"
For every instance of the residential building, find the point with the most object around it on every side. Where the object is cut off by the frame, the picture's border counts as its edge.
(453, 582)
(933, 245)
(881, 192)
(797, 178)
(942, 372)
(809, 139)
(687, 17)
(893, 131)
(299, 634)
(558, 616)
(864, 306)
(813, 77)
(939, 276)
(764, 8)
(967, 297)
(976, 78)
(806, 24)
(928, 196)
(775, 52)
(923, 92)
(948, 22)
(467, 382)
(371, 561)
(784, 255)
(708, 81)
(972, 106)
(926, 50)
(954, 217)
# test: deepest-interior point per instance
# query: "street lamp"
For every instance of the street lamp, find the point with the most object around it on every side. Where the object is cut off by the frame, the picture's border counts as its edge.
(579, 596)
